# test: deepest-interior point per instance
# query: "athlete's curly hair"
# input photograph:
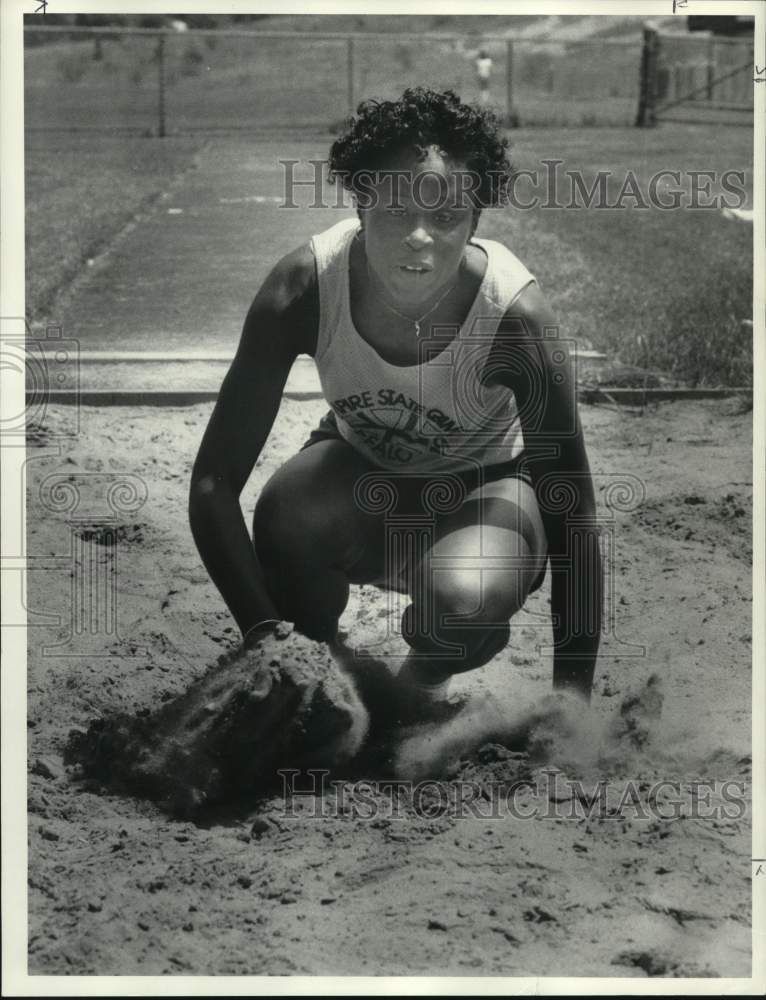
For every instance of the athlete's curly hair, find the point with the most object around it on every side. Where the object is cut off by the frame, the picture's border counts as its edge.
(420, 118)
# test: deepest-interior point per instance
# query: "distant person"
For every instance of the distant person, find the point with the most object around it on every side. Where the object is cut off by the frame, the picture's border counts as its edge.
(450, 404)
(483, 75)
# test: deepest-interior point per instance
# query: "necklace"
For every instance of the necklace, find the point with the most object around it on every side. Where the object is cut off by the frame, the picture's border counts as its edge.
(420, 319)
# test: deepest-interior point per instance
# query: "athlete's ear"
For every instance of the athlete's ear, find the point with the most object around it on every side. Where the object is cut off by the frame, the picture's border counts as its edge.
(475, 221)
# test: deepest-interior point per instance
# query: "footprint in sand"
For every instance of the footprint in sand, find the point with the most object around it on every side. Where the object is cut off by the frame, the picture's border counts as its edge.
(639, 713)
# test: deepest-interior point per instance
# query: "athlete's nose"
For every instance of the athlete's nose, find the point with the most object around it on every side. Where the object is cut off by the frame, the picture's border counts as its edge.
(418, 238)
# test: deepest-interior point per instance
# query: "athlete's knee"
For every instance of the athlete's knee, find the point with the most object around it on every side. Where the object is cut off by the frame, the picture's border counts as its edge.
(471, 596)
(284, 524)
(453, 648)
(463, 611)
(270, 523)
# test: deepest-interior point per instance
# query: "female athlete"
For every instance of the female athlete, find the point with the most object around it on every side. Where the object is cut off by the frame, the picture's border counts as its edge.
(451, 463)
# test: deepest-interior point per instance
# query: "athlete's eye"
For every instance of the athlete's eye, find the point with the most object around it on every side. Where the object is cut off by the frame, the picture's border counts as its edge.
(397, 213)
(444, 218)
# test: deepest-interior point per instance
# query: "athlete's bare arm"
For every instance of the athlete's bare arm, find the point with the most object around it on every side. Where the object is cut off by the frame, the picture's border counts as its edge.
(281, 323)
(532, 359)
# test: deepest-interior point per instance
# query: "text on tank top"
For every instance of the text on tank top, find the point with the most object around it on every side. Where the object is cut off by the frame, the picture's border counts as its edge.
(437, 416)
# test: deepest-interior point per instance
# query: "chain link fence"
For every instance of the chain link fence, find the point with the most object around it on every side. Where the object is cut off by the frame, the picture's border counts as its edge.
(718, 71)
(165, 82)
(696, 77)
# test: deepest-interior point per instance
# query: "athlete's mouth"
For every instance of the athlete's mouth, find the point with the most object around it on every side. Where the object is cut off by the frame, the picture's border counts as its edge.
(416, 268)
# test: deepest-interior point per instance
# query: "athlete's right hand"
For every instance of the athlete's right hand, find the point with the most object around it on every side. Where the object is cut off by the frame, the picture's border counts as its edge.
(257, 632)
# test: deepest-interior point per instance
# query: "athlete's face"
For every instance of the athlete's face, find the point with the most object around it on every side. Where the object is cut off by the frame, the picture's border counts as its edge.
(417, 227)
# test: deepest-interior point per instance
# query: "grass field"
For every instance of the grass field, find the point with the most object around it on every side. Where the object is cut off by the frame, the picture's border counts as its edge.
(665, 289)
(679, 279)
(80, 192)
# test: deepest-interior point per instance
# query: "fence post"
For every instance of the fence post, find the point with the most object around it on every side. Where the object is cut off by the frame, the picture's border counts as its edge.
(647, 97)
(654, 77)
(678, 81)
(161, 78)
(350, 69)
(509, 81)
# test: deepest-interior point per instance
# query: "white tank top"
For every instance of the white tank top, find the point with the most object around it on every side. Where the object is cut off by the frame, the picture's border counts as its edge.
(432, 417)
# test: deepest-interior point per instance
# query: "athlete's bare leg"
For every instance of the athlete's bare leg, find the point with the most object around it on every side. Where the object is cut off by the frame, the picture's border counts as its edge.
(313, 540)
(309, 533)
(478, 574)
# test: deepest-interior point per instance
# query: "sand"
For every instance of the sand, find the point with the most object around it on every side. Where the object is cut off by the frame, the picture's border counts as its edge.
(356, 880)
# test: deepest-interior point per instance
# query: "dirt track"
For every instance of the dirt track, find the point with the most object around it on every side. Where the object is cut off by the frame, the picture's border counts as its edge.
(118, 888)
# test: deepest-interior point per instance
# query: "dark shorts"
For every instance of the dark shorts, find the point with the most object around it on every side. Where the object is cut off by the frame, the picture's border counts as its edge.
(327, 430)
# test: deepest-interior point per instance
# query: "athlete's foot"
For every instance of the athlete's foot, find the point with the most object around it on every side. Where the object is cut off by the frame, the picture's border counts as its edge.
(421, 698)
(402, 699)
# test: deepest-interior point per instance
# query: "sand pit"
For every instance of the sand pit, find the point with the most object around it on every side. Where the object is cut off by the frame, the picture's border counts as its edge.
(502, 864)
